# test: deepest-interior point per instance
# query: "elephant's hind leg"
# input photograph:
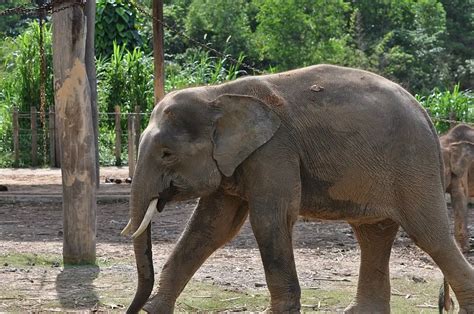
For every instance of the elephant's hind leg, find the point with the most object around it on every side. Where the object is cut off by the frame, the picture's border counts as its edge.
(373, 289)
(459, 200)
(428, 226)
(215, 221)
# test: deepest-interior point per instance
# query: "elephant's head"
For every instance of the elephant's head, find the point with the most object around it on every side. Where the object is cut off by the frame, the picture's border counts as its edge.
(458, 158)
(462, 155)
(193, 139)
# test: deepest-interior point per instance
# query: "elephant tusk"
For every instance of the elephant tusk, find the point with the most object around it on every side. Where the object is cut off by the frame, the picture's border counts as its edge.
(147, 219)
(127, 228)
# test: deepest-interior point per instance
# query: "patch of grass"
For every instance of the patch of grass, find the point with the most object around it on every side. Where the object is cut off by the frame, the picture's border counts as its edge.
(407, 297)
(33, 259)
(110, 288)
(198, 296)
(29, 259)
(411, 297)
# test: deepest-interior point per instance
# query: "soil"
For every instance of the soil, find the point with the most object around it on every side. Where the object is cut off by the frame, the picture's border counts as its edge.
(31, 223)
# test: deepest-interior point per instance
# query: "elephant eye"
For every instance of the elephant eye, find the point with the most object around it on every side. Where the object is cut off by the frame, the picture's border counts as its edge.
(166, 154)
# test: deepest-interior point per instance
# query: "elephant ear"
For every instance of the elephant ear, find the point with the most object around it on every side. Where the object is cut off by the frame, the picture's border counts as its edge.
(242, 124)
(462, 155)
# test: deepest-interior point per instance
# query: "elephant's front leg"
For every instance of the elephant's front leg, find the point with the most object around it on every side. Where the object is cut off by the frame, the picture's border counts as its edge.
(214, 222)
(272, 229)
(274, 207)
(459, 203)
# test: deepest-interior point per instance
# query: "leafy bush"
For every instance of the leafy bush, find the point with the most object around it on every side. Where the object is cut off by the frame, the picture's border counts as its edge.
(197, 67)
(292, 34)
(223, 24)
(116, 21)
(449, 105)
(20, 86)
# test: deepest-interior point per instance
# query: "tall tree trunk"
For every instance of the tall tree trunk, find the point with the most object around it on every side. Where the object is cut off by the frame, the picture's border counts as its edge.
(76, 134)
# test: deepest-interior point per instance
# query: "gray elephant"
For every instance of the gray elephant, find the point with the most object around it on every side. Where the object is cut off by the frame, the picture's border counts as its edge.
(325, 142)
(458, 154)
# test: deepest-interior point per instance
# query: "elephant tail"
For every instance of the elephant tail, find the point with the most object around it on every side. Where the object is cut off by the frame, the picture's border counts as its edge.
(445, 302)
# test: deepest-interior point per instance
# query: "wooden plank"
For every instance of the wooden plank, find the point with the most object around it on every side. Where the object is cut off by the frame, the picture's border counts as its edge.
(118, 137)
(16, 138)
(75, 132)
(52, 142)
(34, 138)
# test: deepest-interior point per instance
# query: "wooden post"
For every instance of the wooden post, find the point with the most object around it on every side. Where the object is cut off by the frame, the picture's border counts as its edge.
(16, 137)
(137, 130)
(131, 145)
(118, 137)
(34, 138)
(92, 76)
(52, 146)
(158, 51)
(76, 134)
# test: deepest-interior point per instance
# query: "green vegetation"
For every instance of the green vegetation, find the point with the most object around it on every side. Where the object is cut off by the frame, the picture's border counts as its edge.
(108, 287)
(448, 105)
(116, 22)
(425, 45)
(40, 260)
(29, 259)
(20, 87)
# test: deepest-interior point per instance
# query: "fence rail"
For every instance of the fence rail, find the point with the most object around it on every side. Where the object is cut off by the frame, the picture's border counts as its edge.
(35, 137)
(35, 140)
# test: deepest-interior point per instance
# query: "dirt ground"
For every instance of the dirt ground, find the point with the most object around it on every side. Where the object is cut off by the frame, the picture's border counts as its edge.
(31, 229)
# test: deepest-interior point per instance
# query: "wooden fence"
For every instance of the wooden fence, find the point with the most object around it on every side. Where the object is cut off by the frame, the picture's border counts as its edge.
(43, 129)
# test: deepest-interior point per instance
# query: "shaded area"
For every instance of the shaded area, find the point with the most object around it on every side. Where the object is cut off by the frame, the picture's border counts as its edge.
(75, 287)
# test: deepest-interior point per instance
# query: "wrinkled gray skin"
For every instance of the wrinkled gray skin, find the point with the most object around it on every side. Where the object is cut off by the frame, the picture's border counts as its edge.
(458, 155)
(323, 142)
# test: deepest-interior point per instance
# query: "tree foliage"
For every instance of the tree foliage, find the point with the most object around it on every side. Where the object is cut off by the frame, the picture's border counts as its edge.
(116, 22)
(223, 24)
(422, 44)
(425, 45)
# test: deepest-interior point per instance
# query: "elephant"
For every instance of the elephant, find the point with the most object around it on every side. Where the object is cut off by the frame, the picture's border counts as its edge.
(324, 142)
(457, 147)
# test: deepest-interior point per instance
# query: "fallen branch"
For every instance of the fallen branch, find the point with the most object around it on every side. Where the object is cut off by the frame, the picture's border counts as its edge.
(426, 306)
(330, 279)
(230, 299)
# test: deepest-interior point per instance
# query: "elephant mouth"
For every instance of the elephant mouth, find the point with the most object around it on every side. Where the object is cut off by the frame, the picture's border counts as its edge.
(156, 204)
(166, 196)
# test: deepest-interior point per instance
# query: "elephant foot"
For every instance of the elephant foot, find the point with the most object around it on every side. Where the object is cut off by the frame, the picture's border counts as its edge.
(369, 307)
(156, 305)
(467, 310)
(285, 307)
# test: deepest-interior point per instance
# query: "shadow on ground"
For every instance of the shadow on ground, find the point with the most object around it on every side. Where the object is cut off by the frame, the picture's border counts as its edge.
(75, 287)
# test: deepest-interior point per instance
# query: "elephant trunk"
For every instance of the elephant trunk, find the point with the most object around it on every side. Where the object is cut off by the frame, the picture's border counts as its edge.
(143, 256)
(139, 200)
(144, 203)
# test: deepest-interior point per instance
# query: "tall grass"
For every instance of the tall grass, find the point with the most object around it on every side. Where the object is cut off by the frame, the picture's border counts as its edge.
(197, 67)
(447, 105)
(20, 85)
